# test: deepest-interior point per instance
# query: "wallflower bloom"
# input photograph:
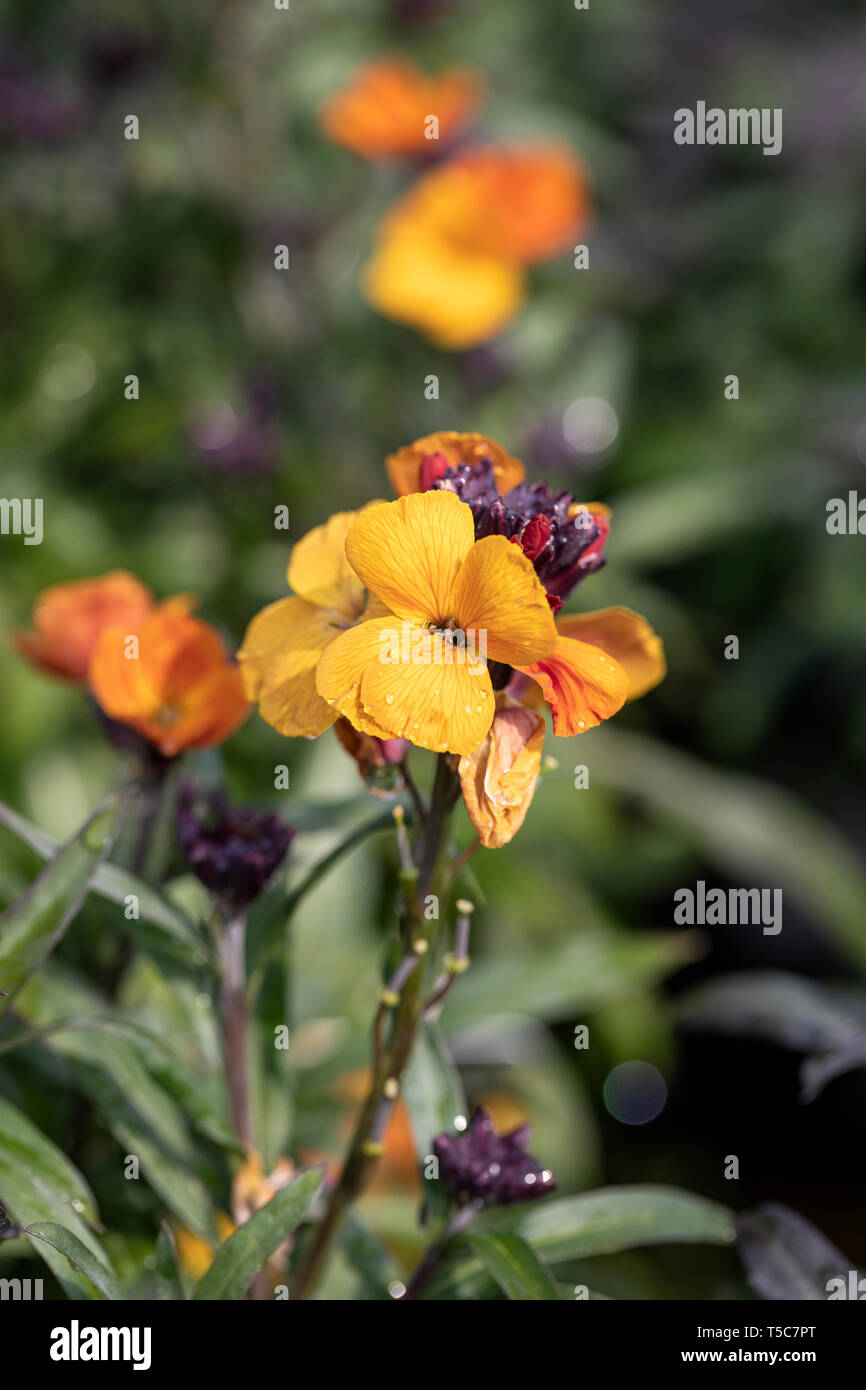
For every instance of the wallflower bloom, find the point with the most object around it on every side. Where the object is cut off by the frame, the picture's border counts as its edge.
(431, 620)
(451, 254)
(68, 618)
(284, 642)
(175, 684)
(384, 112)
(419, 557)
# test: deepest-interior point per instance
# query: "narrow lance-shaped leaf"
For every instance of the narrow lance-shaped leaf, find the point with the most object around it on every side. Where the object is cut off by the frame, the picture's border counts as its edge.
(239, 1260)
(786, 1257)
(31, 927)
(79, 1257)
(117, 885)
(514, 1265)
(596, 1223)
(167, 1281)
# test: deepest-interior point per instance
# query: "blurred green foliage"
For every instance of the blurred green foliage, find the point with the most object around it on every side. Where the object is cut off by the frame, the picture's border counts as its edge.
(260, 388)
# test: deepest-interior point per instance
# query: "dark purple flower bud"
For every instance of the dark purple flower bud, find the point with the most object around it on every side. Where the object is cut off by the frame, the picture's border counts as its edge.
(233, 850)
(480, 1165)
(564, 541)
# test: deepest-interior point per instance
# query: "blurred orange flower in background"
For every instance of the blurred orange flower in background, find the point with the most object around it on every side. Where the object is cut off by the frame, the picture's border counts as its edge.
(451, 254)
(68, 618)
(385, 111)
(170, 678)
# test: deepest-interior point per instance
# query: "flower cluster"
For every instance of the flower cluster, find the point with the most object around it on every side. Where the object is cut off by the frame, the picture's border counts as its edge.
(466, 548)
(481, 1166)
(233, 850)
(451, 255)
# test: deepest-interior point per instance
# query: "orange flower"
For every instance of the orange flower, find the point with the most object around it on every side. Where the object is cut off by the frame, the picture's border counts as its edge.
(170, 678)
(386, 111)
(68, 619)
(451, 254)
(414, 467)
(498, 781)
(569, 680)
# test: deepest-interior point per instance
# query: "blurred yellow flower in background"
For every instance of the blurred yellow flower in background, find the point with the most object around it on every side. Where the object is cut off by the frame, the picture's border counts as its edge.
(451, 254)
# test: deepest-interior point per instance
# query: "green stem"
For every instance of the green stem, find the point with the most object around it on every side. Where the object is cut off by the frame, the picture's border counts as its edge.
(365, 1147)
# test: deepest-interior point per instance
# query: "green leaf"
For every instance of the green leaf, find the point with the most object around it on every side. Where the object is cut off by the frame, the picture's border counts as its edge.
(240, 1258)
(582, 973)
(144, 1119)
(31, 927)
(781, 1008)
(38, 1183)
(116, 885)
(752, 830)
(79, 1257)
(596, 1223)
(618, 1218)
(432, 1089)
(786, 1257)
(167, 1280)
(22, 1142)
(514, 1265)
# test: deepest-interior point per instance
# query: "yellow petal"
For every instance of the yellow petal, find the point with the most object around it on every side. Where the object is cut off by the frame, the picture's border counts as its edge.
(498, 592)
(625, 636)
(278, 662)
(408, 552)
(582, 685)
(447, 707)
(343, 663)
(498, 781)
(454, 296)
(319, 570)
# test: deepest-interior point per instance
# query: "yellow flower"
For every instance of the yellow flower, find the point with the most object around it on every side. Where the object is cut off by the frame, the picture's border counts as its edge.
(451, 254)
(419, 557)
(283, 643)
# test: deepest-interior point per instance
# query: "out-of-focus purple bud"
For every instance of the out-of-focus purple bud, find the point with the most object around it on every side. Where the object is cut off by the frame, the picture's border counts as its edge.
(233, 850)
(480, 1165)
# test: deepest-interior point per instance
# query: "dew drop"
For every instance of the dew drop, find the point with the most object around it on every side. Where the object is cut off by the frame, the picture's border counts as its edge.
(389, 699)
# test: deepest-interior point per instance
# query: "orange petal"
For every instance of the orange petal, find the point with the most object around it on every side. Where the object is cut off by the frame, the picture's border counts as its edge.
(498, 780)
(457, 297)
(498, 592)
(211, 711)
(582, 685)
(445, 706)
(279, 656)
(68, 619)
(320, 572)
(383, 112)
(343, 663)
(408, 552)
(404, 467)
(179, 688)
(518, 204)
(625, 636)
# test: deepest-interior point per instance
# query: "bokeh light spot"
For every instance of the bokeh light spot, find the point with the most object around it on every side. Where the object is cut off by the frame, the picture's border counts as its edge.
(635, 1093)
